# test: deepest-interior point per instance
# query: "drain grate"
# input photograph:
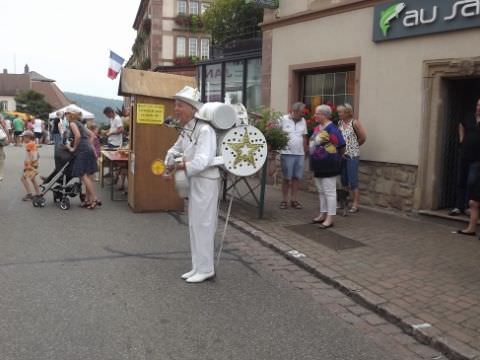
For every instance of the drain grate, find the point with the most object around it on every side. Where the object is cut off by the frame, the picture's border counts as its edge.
(325, 237)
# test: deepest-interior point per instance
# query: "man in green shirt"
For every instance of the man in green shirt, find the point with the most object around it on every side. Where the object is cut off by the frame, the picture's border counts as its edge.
(18, 128)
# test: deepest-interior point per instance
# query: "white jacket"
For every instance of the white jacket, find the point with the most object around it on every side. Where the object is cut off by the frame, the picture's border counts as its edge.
(197, 143)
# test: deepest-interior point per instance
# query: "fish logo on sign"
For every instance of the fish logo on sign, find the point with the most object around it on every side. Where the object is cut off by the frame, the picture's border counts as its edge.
(387, 16)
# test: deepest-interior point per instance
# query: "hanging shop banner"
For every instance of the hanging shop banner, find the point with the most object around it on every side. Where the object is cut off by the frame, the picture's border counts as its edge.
(396, 20)
(150, 114)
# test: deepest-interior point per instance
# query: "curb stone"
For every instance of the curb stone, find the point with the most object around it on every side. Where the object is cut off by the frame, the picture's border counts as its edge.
(432, 337)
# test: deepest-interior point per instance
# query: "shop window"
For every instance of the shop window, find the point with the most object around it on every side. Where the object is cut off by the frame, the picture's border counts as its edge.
(205, 49)
(192, 47)
(335, 87)
(234, 81)
(253, 91)
(181, 6)
(213, 82)
(181, 47)
(193, 7)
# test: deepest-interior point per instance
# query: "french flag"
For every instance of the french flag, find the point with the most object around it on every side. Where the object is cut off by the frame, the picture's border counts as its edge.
(116, 62)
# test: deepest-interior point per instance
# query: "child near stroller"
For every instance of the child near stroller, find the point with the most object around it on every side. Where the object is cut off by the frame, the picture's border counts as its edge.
(60, 181)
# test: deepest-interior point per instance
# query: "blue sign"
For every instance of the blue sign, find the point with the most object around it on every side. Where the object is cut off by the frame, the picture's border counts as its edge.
(408, 18)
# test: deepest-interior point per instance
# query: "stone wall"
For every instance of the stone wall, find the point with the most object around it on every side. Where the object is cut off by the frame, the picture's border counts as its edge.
(384, 185)
(387, 185)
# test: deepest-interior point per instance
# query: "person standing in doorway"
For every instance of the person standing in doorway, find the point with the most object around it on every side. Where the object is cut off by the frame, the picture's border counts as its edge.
(115, 133)
(471, 153)
(469, 139)
(292, 158)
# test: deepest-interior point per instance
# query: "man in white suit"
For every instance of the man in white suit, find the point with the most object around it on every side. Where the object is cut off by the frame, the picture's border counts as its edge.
(195, 150)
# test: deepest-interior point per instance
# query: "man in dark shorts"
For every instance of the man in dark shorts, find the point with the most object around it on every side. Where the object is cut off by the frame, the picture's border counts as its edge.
(471, 154)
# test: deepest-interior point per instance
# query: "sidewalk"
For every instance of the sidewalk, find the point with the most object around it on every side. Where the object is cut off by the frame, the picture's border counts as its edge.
(411, 270)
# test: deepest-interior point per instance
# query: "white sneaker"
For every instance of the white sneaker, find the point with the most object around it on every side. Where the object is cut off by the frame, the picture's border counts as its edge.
(188, 274)
(198, 278)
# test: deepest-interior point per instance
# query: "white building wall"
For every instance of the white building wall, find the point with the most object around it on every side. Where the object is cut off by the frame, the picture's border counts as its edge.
(391, 81)
(11, 104)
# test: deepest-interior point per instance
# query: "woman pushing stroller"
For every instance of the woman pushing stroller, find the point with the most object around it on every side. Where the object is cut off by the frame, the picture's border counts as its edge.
(85, 162)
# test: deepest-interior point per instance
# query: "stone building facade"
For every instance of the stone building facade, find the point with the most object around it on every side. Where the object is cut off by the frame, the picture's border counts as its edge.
(169, 33)
(410, 83)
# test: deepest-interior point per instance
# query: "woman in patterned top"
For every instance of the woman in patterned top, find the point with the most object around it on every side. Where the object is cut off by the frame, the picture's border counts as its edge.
(354, 135)
(326, 149)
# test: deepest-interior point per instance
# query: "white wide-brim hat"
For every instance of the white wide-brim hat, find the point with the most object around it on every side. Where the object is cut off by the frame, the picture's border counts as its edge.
(190, 96)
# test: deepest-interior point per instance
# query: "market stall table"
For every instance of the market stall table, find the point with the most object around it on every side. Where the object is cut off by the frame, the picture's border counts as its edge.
(117, 160)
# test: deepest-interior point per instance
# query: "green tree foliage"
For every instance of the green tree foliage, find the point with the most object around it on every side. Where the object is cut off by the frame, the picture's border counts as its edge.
(228, 20)
(33, 103)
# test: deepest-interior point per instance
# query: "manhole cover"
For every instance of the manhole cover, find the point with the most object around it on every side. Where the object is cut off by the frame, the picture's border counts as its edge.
(325, 237)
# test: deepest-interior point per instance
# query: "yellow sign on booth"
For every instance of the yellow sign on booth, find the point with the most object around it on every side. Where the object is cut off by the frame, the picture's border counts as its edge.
(157, 167)
(150, 114)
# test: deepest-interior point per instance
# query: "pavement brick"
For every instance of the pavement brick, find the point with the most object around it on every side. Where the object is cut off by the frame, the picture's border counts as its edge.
(410, 268)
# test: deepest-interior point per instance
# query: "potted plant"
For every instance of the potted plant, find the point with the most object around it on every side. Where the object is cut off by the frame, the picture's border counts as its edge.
(268, 122)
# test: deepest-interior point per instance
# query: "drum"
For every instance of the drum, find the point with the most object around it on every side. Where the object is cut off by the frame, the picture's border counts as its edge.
(220, 116)
(243, 149)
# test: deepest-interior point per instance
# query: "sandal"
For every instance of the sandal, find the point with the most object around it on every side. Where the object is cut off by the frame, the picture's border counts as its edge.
(296, 205)
(85, 204)
(353, 210)
(27, 197)
(94, 204)
(283, 205)
(461, 232)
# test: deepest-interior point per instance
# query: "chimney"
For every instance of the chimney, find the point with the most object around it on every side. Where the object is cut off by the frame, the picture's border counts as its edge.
(26, 69)
(5, 71)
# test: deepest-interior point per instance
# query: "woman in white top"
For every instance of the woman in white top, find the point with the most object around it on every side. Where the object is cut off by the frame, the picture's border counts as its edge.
(354, 135)
(38, 128)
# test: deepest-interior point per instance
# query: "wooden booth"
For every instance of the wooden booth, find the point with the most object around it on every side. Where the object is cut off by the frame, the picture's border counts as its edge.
(151, 100)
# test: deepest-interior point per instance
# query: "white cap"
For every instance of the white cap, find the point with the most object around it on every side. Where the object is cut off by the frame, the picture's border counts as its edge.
(190, 96)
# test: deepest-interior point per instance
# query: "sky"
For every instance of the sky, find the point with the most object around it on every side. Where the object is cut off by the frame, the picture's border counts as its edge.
(68, 40)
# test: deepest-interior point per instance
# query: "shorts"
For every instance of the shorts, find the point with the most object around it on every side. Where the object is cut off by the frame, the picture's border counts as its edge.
(292, 166)
(350, 173)
(31, 171)
(38, 135)
(17, 133)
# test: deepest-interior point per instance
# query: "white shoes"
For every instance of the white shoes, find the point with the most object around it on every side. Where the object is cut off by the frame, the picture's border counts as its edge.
(198, 278)
(188, 274)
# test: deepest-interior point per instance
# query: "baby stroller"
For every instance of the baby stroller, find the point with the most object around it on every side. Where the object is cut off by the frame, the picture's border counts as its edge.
(60, 181)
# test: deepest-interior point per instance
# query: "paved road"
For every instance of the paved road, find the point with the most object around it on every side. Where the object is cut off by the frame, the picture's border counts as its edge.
(104, 284)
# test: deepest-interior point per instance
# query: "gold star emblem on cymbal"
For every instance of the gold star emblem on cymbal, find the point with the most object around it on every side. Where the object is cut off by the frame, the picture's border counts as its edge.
(244, 150)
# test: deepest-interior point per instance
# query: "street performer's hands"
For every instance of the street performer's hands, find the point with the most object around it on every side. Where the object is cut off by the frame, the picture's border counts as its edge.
(179, 164)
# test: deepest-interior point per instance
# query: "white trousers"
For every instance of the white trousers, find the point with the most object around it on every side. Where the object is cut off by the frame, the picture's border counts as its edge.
(327, 194)
(202, 221)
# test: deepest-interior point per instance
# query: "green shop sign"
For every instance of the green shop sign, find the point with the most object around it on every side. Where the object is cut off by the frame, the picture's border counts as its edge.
(408, 18)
